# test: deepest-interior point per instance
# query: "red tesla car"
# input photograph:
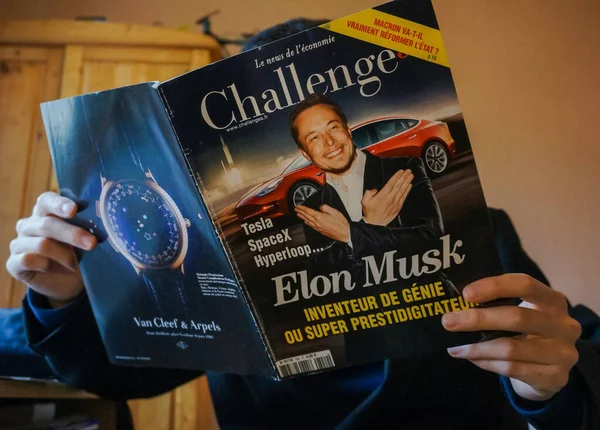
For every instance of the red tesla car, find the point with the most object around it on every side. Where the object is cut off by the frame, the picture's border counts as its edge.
(384, 137)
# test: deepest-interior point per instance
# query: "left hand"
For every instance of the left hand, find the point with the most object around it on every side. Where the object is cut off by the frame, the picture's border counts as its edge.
(328, 221)
(537, 362)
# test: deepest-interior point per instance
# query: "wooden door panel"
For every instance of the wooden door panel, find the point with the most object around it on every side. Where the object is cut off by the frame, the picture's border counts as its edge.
(103, 68)
(28, 76)
(103, 75)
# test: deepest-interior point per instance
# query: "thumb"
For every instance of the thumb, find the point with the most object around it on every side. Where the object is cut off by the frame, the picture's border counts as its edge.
(368, 195)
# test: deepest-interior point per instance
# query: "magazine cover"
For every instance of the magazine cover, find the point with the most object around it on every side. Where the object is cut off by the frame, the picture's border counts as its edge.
(337, 169)
(161, 287)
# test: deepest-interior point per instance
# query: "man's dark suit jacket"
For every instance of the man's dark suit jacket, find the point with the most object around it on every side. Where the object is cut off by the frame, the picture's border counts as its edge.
(427, 392)
(418, 223)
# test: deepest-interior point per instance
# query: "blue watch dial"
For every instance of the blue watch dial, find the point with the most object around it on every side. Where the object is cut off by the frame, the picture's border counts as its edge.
(143, 223)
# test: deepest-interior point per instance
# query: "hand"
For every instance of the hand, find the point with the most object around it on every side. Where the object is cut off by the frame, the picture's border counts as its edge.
(42, 256)
(329, 222)
(538, 361)
(381, 208)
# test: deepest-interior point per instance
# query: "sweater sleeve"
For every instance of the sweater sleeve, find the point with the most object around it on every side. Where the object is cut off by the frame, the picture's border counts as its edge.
(71, 343)
(577, 405)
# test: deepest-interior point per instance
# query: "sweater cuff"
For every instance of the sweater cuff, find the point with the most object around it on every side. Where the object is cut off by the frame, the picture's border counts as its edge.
(563, 410)
(48, 317)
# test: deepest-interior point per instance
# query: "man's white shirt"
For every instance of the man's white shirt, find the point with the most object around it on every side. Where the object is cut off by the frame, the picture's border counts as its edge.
(350, 187)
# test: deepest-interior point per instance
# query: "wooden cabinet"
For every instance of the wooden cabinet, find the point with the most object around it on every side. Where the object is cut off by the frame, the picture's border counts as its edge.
(66, 401)
(46, 60)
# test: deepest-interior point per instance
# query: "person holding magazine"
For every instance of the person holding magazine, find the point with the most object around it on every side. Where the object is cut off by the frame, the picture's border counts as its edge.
(548, 376)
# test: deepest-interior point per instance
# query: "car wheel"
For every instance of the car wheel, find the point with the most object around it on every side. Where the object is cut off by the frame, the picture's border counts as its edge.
(436, 158)
(300, 192)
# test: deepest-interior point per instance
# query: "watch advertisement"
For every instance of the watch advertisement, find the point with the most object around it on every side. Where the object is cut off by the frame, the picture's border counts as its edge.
(162, 289)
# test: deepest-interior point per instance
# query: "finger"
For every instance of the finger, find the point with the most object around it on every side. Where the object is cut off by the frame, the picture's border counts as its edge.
(307, 211)
(52, 250)
(540, 376)
(329, 210)
(57, 229)
(50, 203)
(312, 225)
(383, 193)
(24, 266)
(404, 196)
(513, 318)
(302, 217)
(540, 351)
(403, 188)
(367, 196)
(514, 285)
(299, 211)
(305, 216)
(401, 181)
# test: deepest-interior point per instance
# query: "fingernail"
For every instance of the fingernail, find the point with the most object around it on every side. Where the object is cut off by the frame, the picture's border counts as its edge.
(455, 351)
(450, 320)
(87, 242)
(470, 293)
(66, 208)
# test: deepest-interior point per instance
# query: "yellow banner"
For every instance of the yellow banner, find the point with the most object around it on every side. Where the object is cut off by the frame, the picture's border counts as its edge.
(394, 33)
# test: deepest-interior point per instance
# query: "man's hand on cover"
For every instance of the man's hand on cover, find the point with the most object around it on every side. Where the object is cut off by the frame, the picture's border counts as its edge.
(43, 256)
(328, 221)
(537, 362)
(382, 207)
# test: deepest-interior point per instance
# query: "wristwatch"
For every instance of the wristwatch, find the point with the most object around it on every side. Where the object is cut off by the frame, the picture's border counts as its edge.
(143, 223)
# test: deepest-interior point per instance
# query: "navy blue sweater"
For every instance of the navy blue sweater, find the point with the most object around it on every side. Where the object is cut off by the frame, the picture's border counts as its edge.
(427, 392)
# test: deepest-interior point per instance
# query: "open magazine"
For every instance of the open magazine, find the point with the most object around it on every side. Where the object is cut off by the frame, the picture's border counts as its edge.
(307, 205)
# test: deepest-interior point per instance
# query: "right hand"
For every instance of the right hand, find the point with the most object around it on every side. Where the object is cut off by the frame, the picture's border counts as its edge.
(383, 206)
(43, 255)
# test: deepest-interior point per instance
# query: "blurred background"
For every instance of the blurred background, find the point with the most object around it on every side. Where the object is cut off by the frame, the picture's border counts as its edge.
(527, 74)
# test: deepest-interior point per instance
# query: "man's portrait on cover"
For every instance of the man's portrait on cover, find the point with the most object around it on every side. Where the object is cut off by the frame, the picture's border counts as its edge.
(368, 205)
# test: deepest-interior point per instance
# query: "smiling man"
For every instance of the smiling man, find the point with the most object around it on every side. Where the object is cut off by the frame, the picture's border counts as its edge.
(368, 205)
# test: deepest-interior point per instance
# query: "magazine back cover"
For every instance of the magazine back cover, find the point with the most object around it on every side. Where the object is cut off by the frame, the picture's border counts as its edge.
(161, 287)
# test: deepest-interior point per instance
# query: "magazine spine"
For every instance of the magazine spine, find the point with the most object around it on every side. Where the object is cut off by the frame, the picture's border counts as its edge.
(219, 231)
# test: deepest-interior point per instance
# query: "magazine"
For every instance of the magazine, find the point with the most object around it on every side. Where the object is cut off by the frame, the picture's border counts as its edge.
(307, 205)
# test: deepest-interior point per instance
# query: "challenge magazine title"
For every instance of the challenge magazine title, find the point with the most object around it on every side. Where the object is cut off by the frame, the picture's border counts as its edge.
(292, 88)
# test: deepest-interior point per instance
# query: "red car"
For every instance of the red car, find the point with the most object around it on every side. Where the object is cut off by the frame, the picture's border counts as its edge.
(384, 137)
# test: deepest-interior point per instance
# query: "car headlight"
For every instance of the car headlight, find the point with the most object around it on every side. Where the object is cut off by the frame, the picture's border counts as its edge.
(269, 187)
